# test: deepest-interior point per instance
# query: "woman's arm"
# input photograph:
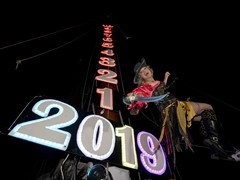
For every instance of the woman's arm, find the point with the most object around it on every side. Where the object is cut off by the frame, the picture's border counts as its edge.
(165, 80)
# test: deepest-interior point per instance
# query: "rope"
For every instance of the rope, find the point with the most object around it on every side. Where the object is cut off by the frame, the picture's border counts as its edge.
(85, 82)
(20, 61)
(119, 68)
(219, 100)
(162, 130)
(22, 111)
(28, 40)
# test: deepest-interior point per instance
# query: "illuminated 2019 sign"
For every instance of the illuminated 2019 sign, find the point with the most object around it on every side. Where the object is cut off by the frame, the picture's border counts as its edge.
(58, 125)
(95, 136)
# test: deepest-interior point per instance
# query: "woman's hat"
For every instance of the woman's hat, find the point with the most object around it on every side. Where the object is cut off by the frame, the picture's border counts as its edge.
(137, 69)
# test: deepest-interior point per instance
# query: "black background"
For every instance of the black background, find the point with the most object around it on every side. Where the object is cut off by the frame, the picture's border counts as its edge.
(198, 43)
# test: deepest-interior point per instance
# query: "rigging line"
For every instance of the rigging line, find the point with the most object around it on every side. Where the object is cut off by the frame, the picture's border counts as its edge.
(85, 82)
(154, 122)
(221, 101)
(28, 40)
(119, 69)
(61, 167)
(90, 96)
(22, 111)
(20, 61)
(176, 168)
(205, 147)
(125, 36)
(93, 80)
(92, 87)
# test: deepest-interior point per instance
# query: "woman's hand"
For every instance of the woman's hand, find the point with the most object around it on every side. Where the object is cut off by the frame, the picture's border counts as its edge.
(167, 74)
(131, 97)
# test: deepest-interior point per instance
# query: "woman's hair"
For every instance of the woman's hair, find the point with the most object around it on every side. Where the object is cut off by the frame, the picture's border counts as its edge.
(140, 79)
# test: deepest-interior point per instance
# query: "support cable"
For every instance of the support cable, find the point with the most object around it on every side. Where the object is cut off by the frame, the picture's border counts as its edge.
(39, 37)
(219, 100)
(31, 57)
(86, 79)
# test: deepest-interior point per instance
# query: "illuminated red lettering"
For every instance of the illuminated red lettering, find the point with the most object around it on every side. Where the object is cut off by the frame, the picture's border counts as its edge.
(106, 98)
(106, 61)
(108, 52)
(107, 76)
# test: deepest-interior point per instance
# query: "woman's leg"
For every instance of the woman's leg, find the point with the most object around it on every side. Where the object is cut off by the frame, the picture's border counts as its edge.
(199, 108)
(205, 114)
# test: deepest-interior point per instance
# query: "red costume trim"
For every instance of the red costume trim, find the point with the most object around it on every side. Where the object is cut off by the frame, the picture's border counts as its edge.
(145, 90)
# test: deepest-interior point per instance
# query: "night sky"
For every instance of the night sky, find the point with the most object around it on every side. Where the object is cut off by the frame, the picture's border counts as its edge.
(196, 43)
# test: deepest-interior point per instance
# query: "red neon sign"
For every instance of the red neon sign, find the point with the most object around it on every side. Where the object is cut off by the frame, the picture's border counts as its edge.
(107, 75)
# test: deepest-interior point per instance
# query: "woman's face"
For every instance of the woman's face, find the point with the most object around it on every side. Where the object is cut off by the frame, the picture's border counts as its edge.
(145, 73)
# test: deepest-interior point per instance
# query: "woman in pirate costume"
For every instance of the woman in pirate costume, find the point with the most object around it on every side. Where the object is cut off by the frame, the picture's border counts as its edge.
(177, 116)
